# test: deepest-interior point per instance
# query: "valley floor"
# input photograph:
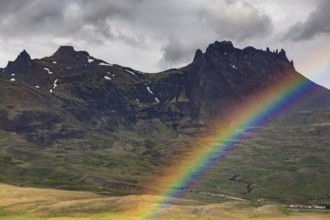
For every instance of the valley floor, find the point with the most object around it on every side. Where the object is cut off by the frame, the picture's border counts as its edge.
(23, 203)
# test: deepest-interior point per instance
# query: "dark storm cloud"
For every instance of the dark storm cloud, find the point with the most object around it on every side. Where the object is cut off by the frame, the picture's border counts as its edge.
(318, 22)
(131, 21)
(219, 20)
(175, 52)
(90, 20)
(236, 20)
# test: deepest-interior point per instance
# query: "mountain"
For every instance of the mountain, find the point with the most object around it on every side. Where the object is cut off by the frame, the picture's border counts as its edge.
(72, 120)
(104, 96)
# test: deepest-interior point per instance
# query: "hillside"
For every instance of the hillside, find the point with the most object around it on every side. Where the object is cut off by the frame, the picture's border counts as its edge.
(72, 121)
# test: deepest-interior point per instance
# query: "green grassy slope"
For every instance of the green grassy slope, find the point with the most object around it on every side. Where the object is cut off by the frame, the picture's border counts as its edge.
(286, 161)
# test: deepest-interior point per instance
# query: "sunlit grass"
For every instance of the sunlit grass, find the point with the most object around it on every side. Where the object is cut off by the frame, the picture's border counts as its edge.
(23, 203)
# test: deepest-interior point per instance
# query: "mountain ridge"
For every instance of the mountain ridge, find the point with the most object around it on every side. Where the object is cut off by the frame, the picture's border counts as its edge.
(214, 84)
(210, 87)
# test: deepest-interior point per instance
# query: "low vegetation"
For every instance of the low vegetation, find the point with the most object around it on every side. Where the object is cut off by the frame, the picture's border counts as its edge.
(285, 162)
(18, 203)
(280, 164)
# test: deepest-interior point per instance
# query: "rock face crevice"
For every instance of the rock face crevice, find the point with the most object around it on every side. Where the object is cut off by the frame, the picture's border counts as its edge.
(248, 183)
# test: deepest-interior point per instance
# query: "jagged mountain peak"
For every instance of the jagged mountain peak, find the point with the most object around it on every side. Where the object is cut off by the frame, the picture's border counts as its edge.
(67, 55)
(222, 46)
(25, 55)
(69, 50)
(215, 52)
(224, 71)
(225, 51)
(65, 50)
(23, 60)
(198, 55)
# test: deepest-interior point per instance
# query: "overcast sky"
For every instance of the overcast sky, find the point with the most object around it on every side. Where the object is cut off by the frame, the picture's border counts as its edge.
(151, 35)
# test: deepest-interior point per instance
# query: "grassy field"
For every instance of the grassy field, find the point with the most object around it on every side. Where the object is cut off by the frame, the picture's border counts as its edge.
(286, 162)
(23, 203)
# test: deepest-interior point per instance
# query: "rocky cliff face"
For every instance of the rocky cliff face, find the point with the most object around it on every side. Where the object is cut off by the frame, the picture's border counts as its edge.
(39, 98)
(224, 76)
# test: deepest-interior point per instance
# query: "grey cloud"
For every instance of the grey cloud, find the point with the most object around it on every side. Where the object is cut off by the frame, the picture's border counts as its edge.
(218, 20)
(89, 20)
(7, 6)
(133, 22)
(236, 20)
(175, 52)
(318, 22)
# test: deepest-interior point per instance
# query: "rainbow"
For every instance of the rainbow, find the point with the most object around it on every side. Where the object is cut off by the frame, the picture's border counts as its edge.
(251, 114)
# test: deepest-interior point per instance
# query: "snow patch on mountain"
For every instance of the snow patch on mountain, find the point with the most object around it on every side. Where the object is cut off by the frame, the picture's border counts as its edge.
(49, 72)
(54, 86)
(105, 64)
(131, 72)
(233, 66)
(149, 90)
(55, 83)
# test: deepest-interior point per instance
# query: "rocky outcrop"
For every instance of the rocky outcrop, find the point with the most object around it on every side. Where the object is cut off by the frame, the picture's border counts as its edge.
(66, 55)
(224, 76)
(23, 61)
(26, 70)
